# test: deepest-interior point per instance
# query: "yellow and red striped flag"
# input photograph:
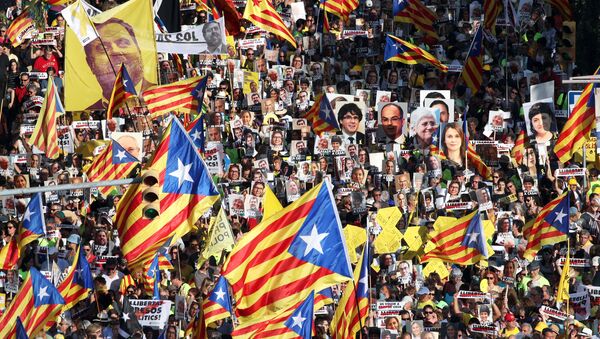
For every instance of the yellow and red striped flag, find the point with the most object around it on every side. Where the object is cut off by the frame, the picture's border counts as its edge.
(44, 134)
(37, 303)
(125, 283)
(283, 259)
(122, 90)
(472, 72)
(113, 163)
(399, 50)
(461, 241)
(79, 281)
(564, 8)
(262, 14)
(518, 152)
(218, 305)
(9, 255)
(491, 10)
(340, 8)
(414, 12)
(579, 125)
(480, 167)
(177, 189)
(321, 116)
(353, 308)
(176, 96)
(551, 226)
(19, 29)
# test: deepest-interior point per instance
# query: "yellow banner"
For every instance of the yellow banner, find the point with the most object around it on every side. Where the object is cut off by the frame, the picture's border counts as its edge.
(127, 33)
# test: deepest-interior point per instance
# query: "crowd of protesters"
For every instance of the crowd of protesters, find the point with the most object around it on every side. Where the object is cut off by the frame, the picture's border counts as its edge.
(395, 122)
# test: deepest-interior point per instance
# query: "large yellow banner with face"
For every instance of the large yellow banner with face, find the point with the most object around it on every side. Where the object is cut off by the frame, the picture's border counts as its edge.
(127, 33)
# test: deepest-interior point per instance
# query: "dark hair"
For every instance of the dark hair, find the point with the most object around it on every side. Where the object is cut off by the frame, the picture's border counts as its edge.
(540, 108)
(347, 108)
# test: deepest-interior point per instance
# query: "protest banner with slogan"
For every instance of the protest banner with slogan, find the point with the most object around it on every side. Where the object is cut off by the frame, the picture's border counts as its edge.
(553, 313)
(214, 155)
(581, 305)
(152, 313)
(190, 41)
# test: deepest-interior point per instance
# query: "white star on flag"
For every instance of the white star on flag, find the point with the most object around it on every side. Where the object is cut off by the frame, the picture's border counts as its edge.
(196, 135)
(313, 241)
(298, 321)
(327, 113)
(28, 214)
(121, 154)
(560, 215)
(126, 316)
(43, 293)
(473, 238)
(125, 82)
(182, 173)
(220, 294)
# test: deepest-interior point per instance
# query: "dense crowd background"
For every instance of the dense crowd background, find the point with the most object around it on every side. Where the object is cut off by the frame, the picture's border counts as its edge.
(401, 143)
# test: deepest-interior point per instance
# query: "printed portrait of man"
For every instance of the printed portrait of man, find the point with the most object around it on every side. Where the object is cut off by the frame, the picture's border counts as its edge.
(122, 46)
(214, 37)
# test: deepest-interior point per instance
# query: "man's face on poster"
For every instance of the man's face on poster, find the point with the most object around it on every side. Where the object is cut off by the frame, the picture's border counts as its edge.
(212, 34)
(122, 46)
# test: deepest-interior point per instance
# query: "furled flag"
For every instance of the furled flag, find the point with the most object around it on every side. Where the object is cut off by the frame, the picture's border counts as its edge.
(283, 259)
(302, 318)
(9, 255)
(21, 28)
(220, 238)
(321, 116)
(518, 152)
(77, 18)
(37, 302)
(231, 14)
(452, 240)
(563, 285)
(153, 277)
(78, 283)
(44, 134)
(122, 90)
(21, 332)
(579, 125)
(262, 14)
(128, 322)
(181, 188)
(551, 226)
(218, 304)
(172, 97)
(491, 10)
(113, 163)
(563, 7)
(480, 167)
(340, 8)
(33, 224)
(414, 12)
(399, 50)
(353, 308)
(472, 72)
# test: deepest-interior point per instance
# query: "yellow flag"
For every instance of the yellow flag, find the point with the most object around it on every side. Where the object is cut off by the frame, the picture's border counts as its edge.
(355, 236)
(563, 285)
(126, 35)
(220, 238)
(78, 20)
(388, 241)
(271, 204)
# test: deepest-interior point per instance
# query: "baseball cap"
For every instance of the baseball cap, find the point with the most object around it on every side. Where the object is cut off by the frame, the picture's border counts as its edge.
(509, 317)
(74, 239)
(423, 290)
(586, 332)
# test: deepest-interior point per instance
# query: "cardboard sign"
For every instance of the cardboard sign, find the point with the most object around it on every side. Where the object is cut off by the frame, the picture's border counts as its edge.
(575, 262)
(553, 313)
(484, 329)
(569, 172)
(153, 313)
(472, 295)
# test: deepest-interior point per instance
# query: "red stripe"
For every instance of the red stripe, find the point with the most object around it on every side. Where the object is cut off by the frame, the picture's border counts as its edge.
(282, 31)
(239, 256)
(160, 93)
(282, 291)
